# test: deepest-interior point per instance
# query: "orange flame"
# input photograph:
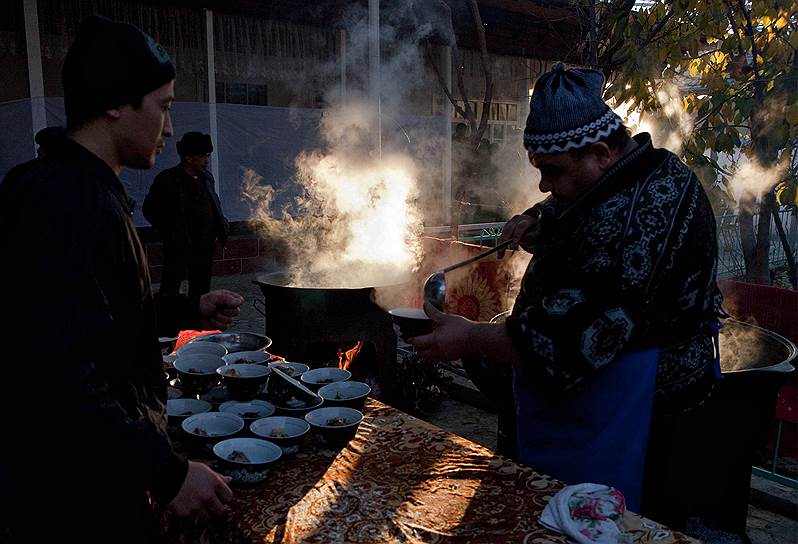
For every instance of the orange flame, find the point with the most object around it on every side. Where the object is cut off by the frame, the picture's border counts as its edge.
(346, 358)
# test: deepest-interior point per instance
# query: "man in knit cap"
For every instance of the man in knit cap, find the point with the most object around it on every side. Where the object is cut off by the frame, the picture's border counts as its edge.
(616, 316)
(89, 394)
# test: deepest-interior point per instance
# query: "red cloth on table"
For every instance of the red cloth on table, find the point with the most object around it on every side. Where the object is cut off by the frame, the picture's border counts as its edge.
(185, 336)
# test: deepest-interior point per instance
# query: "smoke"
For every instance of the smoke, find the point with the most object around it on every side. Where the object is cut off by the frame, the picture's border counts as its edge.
(362, 202)
(669, 124)
(517, 180)
(740, 348)
(750, 176)
(355, 222)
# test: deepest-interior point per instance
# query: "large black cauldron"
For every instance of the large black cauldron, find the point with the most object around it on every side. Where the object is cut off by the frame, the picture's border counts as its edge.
(301, 319)
(738, 421)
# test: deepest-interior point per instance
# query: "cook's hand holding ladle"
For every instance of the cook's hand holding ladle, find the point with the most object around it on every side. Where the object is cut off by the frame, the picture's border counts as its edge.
(522, 230)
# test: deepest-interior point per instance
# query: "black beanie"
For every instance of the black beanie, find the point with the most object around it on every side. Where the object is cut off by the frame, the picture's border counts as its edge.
(108, 65)
(194, 143)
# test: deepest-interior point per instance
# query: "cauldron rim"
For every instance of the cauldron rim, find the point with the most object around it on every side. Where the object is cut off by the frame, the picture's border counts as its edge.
(272, 280)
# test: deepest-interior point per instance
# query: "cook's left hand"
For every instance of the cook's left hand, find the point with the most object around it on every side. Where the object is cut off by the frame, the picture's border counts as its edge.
(449, 340)
(219, 308)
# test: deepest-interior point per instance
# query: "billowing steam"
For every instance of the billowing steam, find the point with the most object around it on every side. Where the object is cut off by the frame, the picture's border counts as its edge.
(670, 125)
(750, 176)
(355, 224)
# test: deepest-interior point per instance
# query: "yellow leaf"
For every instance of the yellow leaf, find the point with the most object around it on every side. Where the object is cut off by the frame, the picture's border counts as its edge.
(781, 22)
(693, 69)
(770, 85)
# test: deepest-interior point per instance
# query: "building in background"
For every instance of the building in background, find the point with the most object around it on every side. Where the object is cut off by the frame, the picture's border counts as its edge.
(258, 76)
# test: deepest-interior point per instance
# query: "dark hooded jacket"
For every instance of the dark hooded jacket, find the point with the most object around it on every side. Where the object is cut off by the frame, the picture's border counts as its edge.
(88, 390)
(168, 207)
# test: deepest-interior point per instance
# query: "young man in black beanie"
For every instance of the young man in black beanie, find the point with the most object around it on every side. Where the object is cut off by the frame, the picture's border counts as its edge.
(616, 320)
(96, 464)
(183, 207)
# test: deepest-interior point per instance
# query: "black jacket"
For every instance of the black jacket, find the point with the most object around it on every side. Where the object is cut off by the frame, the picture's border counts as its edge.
(630, 265)
(165, 208)
(85, 380)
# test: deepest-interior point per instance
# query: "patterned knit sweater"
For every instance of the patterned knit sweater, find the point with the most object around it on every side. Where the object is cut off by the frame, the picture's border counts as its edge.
(629, 265)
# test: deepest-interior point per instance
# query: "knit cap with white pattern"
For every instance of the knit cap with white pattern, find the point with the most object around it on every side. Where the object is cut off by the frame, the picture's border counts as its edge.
(567, 112)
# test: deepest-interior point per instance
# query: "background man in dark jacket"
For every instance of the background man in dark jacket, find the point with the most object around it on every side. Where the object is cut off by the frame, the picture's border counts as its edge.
(184, 208)
(96, 464)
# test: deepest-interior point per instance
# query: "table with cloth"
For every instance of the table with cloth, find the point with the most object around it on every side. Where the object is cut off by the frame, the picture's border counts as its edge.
(399, 480)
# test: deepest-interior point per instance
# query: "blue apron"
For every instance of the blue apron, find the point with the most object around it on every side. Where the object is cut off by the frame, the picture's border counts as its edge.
(598, 434)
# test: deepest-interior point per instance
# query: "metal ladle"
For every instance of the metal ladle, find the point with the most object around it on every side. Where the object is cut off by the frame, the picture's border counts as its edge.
(435, 284)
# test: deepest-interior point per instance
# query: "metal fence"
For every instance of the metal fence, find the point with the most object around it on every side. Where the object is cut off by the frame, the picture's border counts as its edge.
(731, 263)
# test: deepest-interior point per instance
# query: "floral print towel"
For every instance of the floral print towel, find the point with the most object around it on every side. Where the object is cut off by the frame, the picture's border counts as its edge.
(587, 513)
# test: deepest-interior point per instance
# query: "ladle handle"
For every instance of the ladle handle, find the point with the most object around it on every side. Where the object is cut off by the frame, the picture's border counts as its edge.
(477, 257)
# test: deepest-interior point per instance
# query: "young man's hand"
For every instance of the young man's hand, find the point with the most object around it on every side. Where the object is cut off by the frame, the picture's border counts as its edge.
(204, 493)
(219, 308)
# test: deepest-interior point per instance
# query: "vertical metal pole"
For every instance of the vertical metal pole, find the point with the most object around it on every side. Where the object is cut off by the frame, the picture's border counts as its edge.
(446, 68)
(342, 57)
(523, 111)
(374, 68)
(35, 74)
(212, 96)
(777, 447)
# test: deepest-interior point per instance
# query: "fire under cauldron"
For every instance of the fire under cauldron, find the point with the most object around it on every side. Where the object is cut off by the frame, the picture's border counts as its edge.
(308, 324)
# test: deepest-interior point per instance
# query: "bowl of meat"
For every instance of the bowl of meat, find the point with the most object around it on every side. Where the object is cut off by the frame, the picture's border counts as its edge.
(246, 460)
(243, 381)
(206, 429)
(178, 410)
(335, 425)
(197, 371)
(287, 432)
(349, 393)
(248, 358)
(249, 411)
(318, 377)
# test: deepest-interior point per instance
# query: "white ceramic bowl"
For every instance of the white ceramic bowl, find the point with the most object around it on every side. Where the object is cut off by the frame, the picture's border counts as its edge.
(287, 432)
(249, 411)
(348, 393)
(336, 425)
(247, 357)
(179, 409)
(317, 377)
(246, 460)
(294, 370)
(202, 347)
(209, 428)
(243, 382)
(198, 370)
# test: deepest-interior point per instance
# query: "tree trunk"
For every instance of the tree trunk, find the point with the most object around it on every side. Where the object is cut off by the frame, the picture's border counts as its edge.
(785, 243)
(745, 222)
(760, 273)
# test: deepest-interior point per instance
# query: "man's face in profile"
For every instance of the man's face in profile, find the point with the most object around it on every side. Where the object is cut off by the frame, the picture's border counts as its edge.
(142, 131)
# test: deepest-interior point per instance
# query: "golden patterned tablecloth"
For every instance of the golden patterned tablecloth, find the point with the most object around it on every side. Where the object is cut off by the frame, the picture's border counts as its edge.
(401, 480)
